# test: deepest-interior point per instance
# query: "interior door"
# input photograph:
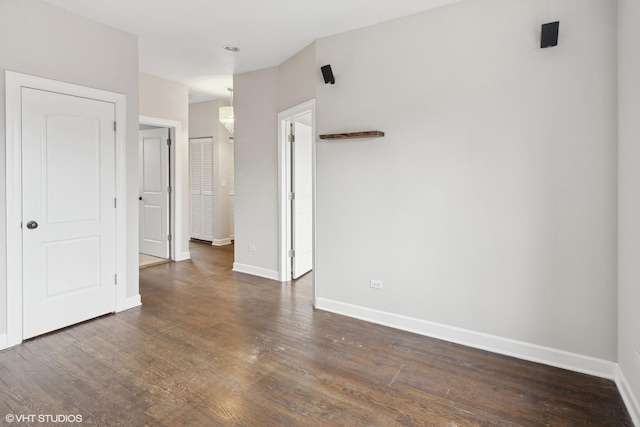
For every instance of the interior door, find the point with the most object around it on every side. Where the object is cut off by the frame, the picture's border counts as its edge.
(154, 192)
(302, 203)
(69, 213)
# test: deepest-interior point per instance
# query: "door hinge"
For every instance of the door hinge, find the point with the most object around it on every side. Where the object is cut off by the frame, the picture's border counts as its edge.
(169, 190)
(292, 196)
(169, 141)
(292, 138)
(115, 203)
(169, 237)
(115, 279)
(292, 253)
(114, 126)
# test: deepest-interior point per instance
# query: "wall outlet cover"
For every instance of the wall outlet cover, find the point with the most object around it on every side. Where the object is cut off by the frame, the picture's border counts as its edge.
(375, 284)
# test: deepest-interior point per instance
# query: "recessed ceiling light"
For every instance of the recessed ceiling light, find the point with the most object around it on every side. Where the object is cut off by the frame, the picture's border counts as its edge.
(230, 49)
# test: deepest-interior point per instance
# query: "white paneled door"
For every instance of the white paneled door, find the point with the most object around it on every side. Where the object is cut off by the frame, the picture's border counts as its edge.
(302, 203)
(154, 192)
(69, 212)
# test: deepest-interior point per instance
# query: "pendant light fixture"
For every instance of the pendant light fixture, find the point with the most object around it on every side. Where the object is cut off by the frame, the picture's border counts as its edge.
(226, 114)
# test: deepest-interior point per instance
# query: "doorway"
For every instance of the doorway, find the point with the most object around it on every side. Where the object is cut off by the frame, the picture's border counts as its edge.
(177, 156)
(296, 129)
(154, 195)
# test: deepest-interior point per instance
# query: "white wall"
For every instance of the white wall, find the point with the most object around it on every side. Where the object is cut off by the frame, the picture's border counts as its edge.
(258, 98)
(39, 39)
(297, 78)
(256, 171)
(169, 100)
(629, 197)
(491, 203)
(201, 119)
(204, 122)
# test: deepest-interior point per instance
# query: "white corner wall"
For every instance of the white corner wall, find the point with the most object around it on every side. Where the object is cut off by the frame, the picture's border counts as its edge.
(169, 100)
(256, 166)
(629, 203)
(490, 205)
(45, 41)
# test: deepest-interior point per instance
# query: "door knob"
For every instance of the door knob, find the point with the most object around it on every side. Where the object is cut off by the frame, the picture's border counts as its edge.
(31, 225)
(140, 198)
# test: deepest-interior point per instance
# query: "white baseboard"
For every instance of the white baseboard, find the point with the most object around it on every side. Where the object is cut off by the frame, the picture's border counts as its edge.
(4, 341)
(183, 256)
(522, 350)
(131, 302)
(221, 242)
(255, 271)
(633, 405)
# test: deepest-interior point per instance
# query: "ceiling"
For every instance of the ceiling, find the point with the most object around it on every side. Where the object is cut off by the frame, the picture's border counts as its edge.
(182, 40)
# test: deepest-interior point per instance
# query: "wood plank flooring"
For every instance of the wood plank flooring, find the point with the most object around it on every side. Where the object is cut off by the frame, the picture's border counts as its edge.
(212, 347)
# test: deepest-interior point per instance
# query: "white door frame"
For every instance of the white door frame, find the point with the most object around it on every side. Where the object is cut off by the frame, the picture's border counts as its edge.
(14, 82)
(179, 153)
(284, 220)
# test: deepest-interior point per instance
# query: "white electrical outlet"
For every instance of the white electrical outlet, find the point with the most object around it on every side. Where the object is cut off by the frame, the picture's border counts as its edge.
(252, 248)
(375, 284)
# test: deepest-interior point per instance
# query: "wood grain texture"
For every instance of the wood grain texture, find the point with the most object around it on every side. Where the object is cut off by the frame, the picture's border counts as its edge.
(350, 135)
(213, 347)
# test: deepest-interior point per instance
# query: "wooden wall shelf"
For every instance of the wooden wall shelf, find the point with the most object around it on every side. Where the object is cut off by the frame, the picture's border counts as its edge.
(366, 134)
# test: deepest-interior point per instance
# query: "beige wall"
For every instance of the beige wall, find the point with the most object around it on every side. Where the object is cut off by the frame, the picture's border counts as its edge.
(165, 99)
(45, 41)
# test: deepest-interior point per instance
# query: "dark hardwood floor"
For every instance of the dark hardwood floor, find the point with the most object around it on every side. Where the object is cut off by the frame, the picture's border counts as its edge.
(212, 347)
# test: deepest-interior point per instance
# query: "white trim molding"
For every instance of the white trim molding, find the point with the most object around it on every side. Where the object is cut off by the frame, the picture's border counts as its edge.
(132, 302)
(519, 349)
(221, 242)
(633, 405)
(255, 271)
(4, 341)
(14, 82)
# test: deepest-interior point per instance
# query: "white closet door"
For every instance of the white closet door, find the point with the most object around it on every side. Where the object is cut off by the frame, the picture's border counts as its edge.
(201, 170)
(207, 189)
(195, 166)
(232, 190)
